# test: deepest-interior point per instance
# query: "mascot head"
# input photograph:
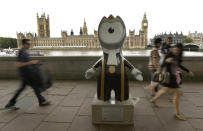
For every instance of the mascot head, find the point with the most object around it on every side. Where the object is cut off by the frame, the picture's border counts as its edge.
(112, 33)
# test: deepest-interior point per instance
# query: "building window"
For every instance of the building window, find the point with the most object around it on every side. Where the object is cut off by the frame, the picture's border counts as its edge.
(41, 27)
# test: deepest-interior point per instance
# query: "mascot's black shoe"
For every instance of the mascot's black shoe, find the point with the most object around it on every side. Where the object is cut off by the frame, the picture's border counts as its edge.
(45, 103)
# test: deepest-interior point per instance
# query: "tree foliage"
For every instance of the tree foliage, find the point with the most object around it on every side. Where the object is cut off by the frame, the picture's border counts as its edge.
(187, 40)
(8, 42)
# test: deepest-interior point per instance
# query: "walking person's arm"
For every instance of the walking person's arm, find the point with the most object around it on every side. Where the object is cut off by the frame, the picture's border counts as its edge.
(186, 70)
(22, 64)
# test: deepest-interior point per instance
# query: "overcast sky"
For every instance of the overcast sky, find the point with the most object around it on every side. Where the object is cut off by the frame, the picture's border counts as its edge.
(162, 15)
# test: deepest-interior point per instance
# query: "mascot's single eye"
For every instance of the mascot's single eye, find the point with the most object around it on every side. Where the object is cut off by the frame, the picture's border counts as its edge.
(111, 33)
(111, 30)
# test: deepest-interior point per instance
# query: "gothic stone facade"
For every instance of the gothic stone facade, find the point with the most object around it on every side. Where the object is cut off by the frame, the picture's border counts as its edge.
(196, 37)
(43, 39)
(177, 38)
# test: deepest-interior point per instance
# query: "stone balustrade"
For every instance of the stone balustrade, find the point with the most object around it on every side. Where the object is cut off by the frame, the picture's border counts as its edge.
(73, 68)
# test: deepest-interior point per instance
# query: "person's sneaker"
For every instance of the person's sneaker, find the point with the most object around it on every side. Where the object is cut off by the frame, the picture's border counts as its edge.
(9, 105)
(45, 103)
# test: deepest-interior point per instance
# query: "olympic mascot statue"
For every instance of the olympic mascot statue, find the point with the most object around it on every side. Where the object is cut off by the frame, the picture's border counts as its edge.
(112, 71)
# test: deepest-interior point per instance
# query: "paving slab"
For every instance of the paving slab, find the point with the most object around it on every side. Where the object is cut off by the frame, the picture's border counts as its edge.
(81, 90)
(62, 114)
(137, 92)
(55, 100)
(45, 93)
(4, 100)
(190, 110)
(143, 107)
(73, 100)
(167, 117)
(60, 91)
(92, 92)
(197, 123)
(165, 103)
(8, 115)
(190, 85)
(148, 123)
(6, 91)
(24, 122)
(27, 91)
(137, 84)
(2, 124)
(83, 123)
(51, 126)
(86, 107)
(26, 102)
(64, 84)
(197, 100)
(116, 128)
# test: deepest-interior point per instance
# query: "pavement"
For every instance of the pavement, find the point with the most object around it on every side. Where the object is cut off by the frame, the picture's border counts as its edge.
(71, 109)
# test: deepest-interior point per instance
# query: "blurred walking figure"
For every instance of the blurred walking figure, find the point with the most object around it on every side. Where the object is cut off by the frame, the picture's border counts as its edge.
(153, 66)
(165, 48)
(24, 64)
(171, 63)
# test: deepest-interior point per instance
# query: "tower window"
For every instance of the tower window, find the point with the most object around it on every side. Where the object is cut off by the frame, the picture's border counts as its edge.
(41, 27)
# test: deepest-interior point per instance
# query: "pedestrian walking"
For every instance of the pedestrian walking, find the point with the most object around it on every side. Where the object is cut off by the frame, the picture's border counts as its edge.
(24, 65)
(171, 64)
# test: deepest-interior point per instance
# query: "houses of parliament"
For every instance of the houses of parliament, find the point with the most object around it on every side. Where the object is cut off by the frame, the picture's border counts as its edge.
(83, 40)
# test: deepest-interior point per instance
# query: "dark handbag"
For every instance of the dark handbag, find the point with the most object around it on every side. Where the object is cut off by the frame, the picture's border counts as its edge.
(162, 77)
(40, 79)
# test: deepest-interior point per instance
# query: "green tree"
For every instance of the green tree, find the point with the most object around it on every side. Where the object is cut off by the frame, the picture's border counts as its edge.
(187, 40)
(8, 42)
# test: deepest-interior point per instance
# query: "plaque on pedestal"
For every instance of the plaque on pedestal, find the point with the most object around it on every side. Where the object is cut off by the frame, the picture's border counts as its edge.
(113, 112)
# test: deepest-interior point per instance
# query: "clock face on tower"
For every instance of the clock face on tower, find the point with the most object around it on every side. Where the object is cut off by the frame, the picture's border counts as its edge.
(145, 24)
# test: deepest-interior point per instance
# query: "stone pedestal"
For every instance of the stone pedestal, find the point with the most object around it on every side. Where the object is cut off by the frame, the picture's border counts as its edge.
(113, 112)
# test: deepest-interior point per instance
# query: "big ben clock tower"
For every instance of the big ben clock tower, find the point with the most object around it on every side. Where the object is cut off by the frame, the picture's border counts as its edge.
(145, 29)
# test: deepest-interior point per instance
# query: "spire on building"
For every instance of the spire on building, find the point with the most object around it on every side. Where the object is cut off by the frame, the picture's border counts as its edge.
(71, 33)
(84, 22)
(81, 31)
(144, 22)
(85, 28)
(145, 16)
(95, 33)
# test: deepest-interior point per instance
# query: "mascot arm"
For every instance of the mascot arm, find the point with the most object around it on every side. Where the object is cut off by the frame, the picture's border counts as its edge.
(128, 64)
(137, 74)
(90, 72)
(97, 64)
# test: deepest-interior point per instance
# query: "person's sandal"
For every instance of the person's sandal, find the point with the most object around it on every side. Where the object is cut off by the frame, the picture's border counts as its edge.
(154, 103)
(180, 117)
